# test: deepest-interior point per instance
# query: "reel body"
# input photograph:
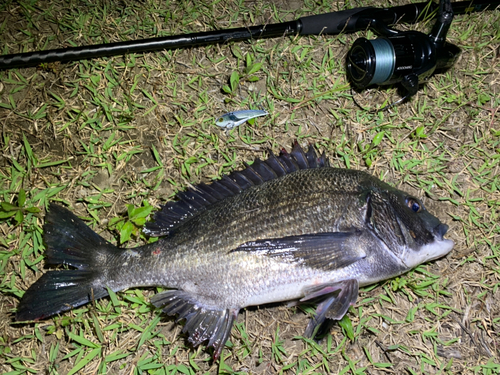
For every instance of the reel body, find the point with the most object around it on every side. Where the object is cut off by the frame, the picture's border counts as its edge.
(407, 57)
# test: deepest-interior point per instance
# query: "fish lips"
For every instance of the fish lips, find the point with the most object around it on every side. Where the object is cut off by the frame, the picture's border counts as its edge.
(438, 249)
(440, 231)
(433, 250)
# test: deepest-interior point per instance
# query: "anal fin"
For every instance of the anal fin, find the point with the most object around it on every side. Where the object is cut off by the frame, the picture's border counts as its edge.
(202, 322)
(339, 296)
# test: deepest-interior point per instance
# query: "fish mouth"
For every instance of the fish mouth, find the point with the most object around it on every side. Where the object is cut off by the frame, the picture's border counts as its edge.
(430, 251)
(441, 246)
(434, 250)
(440, 231)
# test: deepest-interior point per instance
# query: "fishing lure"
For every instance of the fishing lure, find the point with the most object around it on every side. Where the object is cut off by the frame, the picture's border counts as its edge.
(236, 118)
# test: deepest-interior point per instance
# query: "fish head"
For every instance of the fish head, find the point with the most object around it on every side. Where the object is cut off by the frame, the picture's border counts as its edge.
(402, 222)
(224, 122)
(229, 120)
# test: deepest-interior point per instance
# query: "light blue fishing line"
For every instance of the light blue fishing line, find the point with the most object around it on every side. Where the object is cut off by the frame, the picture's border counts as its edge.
(385, 60)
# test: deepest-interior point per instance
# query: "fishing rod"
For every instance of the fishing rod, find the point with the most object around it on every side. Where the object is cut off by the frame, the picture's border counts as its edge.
(346, 21)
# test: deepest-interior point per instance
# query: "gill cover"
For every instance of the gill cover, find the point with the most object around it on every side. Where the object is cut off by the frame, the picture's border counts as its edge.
(401, 221)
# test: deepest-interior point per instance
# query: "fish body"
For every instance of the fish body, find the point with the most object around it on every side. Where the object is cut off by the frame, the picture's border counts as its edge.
(288, 228)
(236, 118)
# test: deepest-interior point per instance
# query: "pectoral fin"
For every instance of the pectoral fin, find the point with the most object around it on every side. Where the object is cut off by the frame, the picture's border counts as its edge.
(319, 250)
(339, 297)
(202, 322)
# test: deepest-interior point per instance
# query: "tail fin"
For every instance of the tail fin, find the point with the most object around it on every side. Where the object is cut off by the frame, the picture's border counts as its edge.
(70, 242)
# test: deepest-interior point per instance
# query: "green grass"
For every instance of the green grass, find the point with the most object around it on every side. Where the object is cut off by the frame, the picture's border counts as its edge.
(113, 137)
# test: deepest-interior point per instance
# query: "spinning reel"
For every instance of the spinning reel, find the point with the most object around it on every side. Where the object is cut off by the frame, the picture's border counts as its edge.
(407, 58)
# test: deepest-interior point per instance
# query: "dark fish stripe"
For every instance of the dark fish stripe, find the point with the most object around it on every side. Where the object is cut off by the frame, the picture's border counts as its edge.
(211, 193)
(274, 163)
(264, 170)
(231, 185)
(242, 180)
(251, 174)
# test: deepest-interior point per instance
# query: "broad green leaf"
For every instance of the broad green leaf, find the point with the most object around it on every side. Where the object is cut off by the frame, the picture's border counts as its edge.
(21, 197)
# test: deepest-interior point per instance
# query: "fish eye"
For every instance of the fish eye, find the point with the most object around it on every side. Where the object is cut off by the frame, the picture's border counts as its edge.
(414, 204)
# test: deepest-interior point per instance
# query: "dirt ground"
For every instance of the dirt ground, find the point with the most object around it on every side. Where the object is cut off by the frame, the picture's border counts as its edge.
(98, 135)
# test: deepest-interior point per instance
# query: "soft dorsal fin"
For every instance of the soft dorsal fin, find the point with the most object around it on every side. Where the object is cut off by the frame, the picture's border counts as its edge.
(201, 196)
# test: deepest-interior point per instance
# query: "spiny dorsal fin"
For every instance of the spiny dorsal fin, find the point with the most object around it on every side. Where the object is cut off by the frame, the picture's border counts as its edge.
(201, 196)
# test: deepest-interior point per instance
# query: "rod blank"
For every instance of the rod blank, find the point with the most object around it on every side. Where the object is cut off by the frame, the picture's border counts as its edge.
(330, 23)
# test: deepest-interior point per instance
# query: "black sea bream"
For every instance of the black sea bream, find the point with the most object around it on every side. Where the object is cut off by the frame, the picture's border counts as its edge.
(288, 228)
